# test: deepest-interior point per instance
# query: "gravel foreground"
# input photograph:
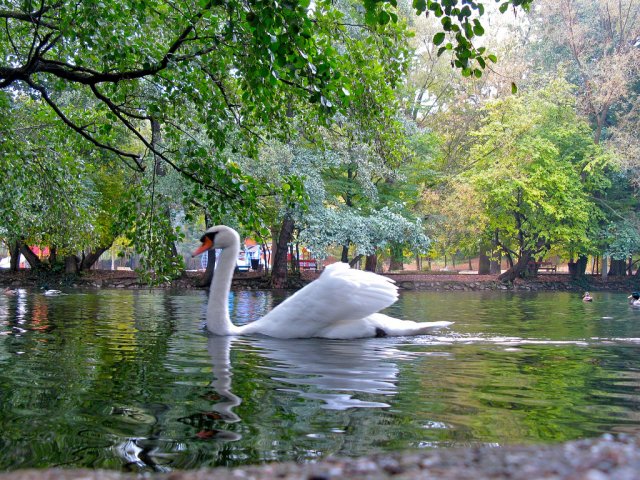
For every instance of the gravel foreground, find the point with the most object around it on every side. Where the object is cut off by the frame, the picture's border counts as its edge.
(605, 458)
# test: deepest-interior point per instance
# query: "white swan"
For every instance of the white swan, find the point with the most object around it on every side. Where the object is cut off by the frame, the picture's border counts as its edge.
(341, 303)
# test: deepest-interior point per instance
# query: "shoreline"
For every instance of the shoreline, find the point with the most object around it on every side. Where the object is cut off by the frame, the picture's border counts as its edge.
(605, 458)
(258, 281)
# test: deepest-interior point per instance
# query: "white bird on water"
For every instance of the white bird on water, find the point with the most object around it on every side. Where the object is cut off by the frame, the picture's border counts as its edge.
(342, 303)
(52, 292)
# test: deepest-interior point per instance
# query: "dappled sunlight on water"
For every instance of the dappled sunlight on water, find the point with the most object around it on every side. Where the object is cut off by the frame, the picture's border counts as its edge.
(130, 380)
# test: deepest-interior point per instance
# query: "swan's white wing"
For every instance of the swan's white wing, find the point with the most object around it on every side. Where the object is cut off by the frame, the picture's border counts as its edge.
(339, 295)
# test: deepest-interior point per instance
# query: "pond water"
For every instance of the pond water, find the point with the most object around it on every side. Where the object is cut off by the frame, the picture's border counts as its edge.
(129, 380)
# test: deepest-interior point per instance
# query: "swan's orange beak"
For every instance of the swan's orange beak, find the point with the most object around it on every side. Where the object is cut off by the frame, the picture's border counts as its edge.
(207, 243)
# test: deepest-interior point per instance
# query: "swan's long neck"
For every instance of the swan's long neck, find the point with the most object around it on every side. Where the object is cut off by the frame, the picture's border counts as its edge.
(218, 321)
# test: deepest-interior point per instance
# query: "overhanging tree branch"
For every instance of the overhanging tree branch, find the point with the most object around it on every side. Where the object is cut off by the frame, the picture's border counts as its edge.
(81, 131)
(34, 18)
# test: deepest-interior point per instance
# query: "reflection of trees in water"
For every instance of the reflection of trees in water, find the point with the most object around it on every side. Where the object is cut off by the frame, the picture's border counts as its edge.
(129, 378)
(99, 368)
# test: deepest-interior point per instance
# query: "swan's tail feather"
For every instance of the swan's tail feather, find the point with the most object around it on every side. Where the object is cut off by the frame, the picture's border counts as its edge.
(395, 327)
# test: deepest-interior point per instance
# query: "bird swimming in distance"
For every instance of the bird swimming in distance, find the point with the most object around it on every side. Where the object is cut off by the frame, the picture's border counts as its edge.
(634, 299)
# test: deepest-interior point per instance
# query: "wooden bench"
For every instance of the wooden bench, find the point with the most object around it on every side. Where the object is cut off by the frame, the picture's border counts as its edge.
(308, 264)
(546, 266)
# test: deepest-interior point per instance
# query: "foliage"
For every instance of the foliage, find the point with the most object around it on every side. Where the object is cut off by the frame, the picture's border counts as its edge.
(66, 196)
(341, 226)
(622, 239)
(535, 161)
(598, 42)
(462, 24)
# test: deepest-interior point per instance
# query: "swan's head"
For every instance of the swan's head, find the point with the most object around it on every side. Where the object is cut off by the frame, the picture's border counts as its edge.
(219, 236)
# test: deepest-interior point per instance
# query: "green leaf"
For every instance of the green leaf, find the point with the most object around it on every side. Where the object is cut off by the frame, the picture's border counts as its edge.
(420, 5)
(503, 7)
(383, 17)
(514, 88)
(438, 38)
(468, 30)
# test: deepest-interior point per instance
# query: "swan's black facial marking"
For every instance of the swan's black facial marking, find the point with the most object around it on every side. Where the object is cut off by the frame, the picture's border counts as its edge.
(380, 333)
(210, 235)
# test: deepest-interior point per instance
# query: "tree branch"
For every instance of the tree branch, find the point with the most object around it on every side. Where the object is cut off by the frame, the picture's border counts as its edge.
(34, 18)
(81, 131)
(87, 76)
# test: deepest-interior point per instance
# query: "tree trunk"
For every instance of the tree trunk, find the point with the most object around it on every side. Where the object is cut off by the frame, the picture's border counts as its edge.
(296, 262)
(495, 266)
(618, 268)
(294, 259)
(53, 255)
(581, 266)
(397, 257)
(344, 258)
(206, 279)
(71, 265)
(279, 271)
(371, 263)
(267, 258)
(14, 251)
(519, 269)
(484, 263)
(92, 257)
(354, 263)
(274, 245)
(31, 257)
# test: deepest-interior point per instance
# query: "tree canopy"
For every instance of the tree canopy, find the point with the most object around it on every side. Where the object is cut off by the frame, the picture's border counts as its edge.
(136, 117)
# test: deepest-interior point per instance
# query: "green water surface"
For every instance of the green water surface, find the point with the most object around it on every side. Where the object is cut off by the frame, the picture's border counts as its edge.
(129, 380)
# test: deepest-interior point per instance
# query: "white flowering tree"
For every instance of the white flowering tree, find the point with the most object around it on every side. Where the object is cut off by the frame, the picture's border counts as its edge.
(350, 204)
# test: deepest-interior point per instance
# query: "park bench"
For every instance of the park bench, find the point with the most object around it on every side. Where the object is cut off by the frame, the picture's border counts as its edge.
(308, 264)
(546, 266)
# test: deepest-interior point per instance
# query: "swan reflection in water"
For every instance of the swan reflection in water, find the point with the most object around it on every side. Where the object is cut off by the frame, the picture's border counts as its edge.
(314, 369)
(331, 371)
